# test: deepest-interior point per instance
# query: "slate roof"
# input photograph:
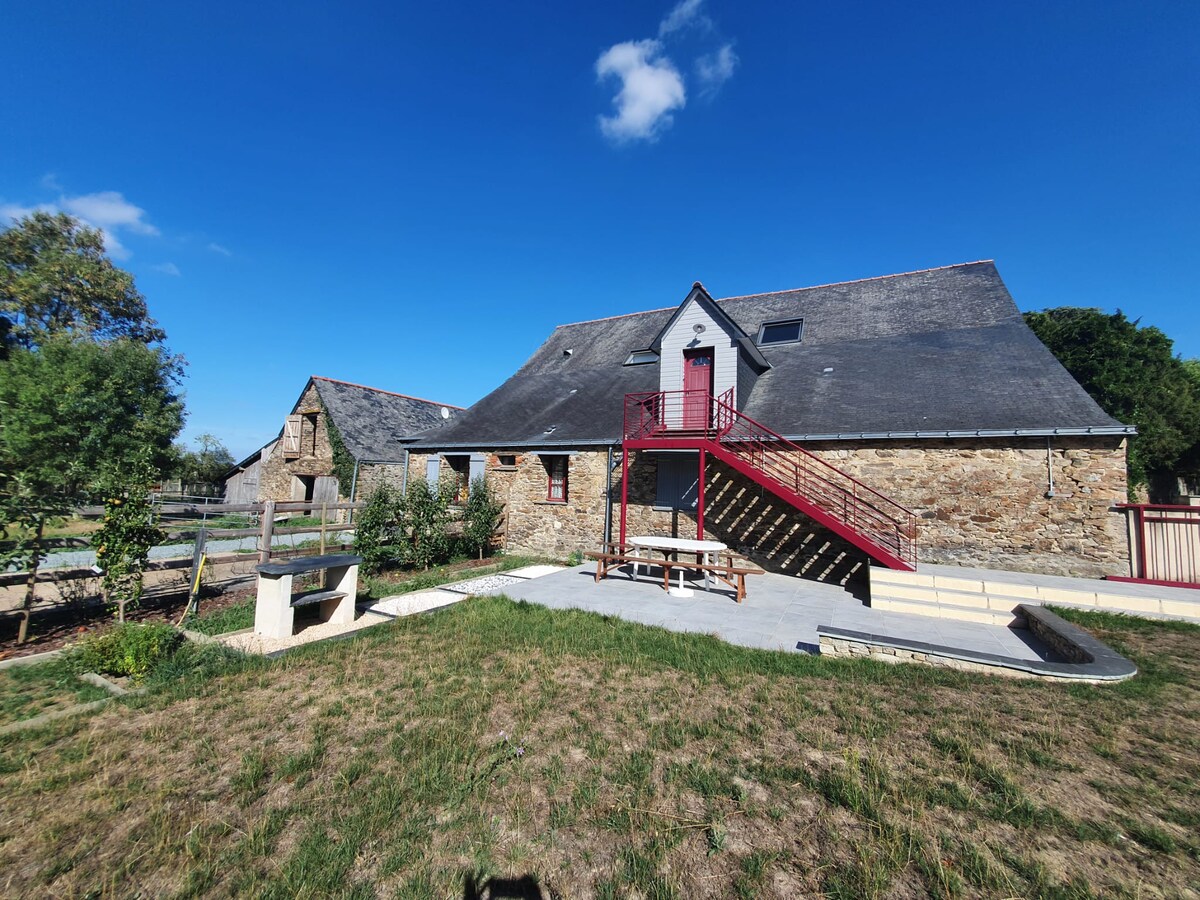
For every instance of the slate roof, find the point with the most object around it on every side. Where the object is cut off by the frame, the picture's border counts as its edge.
(374, 423)
(941, 352)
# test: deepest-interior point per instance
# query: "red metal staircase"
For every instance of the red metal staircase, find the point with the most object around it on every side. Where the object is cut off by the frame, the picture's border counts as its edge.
(877, 525)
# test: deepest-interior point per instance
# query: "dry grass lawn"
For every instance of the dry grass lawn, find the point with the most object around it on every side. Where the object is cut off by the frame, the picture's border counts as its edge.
(605, 759)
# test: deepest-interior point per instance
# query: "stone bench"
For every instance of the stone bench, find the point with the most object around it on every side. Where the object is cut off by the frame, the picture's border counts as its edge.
(275, 608)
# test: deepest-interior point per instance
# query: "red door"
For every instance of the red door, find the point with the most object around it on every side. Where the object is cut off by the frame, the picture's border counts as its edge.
(697, 386)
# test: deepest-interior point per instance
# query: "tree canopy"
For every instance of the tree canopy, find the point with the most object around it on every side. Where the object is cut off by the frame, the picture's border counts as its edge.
(207, 464)
(55, 279)
(1132, 372)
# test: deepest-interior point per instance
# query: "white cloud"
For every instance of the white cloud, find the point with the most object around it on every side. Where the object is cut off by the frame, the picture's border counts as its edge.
(50, 182)
(108, 210)
(167, 268)
(14, 211)
(651, 87)
(714, 69)
(217, 248)
(685, 14)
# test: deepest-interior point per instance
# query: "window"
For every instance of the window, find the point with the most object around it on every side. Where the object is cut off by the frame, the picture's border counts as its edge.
(556, 478)
(678, 481)
(785, 331)
(641, 358)
(507, 460)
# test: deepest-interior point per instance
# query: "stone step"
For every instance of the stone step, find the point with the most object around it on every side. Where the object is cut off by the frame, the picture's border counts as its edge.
(934, 608)
(1000, 594)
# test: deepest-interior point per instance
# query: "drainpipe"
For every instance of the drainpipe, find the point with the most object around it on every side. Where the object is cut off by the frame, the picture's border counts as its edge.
(608, 497)
(1049, 472)
(353, 488)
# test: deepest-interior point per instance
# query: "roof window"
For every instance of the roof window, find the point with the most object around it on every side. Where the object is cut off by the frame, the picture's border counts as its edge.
(784, 331)
(641, 358)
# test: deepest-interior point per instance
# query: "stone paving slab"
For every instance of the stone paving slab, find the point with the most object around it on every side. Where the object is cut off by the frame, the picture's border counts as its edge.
(780, 612)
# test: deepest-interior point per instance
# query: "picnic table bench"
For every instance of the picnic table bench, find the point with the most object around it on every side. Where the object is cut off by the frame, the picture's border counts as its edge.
(275, 607)
(725, 568)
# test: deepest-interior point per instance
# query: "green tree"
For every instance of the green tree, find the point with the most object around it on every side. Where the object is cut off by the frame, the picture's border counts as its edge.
(55, 279)
(1133, 374)
(481, 516)
(127, 532)
(84, 393)
(206, 465)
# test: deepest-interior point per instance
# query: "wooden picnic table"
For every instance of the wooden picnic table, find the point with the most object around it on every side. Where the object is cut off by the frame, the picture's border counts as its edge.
(616, 555)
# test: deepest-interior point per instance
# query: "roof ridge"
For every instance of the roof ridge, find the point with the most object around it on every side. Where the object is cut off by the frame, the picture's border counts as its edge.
(644, 312)
(813, 287)
(382, 391)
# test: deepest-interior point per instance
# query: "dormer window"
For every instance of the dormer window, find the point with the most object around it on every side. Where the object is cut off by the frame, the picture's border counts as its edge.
(785, 331)
(641, 358)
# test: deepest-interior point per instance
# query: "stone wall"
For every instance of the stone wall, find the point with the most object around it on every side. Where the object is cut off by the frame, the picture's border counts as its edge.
(316, 455)
(532, 524)
(978, 502)
(371, 475)
(982, 502)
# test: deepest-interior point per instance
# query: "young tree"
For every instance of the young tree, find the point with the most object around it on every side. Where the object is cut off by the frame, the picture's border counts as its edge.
(429, 514)
(84, 392)
(1133, 374)
(380, 529)
(481, 516)
(127, 532)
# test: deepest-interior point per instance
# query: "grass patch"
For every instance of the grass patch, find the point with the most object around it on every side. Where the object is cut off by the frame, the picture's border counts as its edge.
(503, 740)
(35, 688)
(234, 617)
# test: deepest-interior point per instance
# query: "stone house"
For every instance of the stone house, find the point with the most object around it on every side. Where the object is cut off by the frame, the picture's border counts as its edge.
(338, 442)
(893, 419)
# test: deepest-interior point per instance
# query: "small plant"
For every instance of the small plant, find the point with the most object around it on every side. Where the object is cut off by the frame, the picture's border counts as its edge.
(576, 558)
(127, 649)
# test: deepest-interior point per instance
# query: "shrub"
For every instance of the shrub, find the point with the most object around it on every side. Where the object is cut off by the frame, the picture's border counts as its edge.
(127, 649)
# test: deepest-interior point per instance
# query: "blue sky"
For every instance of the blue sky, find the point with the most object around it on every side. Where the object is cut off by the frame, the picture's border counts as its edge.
(411, 197)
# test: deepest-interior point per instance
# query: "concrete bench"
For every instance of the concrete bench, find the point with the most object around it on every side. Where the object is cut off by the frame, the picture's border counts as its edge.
(275, 608)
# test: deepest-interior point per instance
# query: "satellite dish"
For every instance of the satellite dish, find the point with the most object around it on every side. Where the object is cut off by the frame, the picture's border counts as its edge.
(445, 412)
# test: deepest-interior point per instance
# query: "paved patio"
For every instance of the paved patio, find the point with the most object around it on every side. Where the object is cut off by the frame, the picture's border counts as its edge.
(780, 612)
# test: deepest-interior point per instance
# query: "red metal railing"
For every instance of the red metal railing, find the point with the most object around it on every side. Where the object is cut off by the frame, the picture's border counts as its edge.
(787, 467)
(1164, 544)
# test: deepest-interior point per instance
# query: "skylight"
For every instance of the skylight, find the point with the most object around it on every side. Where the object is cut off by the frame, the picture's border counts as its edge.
(641, 357)
(785, 331)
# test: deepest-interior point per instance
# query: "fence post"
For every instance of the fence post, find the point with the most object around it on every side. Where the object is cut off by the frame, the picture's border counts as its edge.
(193, 606)
(324, 512)
(268, 528)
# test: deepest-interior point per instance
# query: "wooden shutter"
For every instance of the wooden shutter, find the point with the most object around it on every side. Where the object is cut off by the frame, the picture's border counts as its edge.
(477, 467)
(432, 473)
(291, 437)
